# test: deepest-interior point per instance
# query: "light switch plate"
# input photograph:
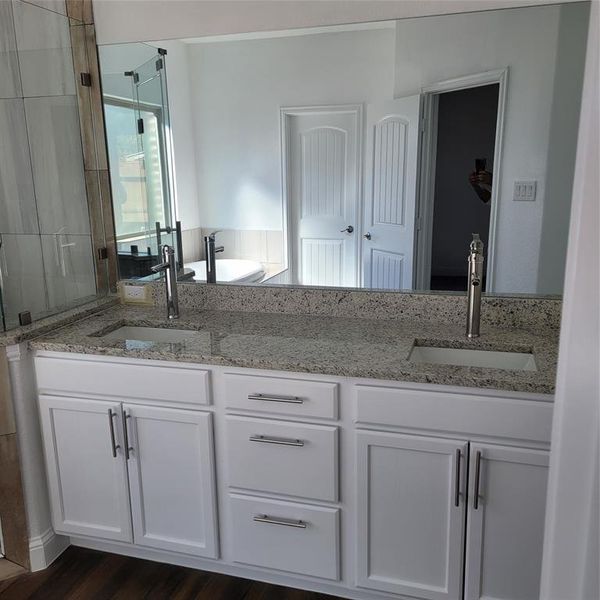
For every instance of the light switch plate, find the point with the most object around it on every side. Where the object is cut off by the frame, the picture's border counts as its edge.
(525, 191)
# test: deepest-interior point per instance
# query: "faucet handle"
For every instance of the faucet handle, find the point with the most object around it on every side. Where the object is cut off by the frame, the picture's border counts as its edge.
(214, 233)
(476, 245)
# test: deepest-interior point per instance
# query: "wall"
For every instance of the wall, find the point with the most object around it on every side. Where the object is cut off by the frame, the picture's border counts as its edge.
(571, 554)
(133, 21)
(238, 89)
(44, 545)
(561, 148)
(428, 53)
(13, 517)
(466, 130)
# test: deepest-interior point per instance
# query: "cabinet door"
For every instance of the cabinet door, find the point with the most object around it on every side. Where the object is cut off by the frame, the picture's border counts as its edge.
(505, 527)
(87, 474)
(411, 509)
(171, 478)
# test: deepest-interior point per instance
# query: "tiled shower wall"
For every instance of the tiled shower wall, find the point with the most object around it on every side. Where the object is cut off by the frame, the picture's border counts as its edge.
(47, 259)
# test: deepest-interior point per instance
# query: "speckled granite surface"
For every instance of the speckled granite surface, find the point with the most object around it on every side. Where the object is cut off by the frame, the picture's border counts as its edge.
(530, 312)
(27, 332)
(352, 347)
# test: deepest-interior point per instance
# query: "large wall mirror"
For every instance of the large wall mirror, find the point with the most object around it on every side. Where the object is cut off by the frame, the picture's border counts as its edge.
(358, 156)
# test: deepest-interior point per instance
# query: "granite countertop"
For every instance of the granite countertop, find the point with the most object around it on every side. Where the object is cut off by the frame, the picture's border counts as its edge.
(342, 346)
(41, 326)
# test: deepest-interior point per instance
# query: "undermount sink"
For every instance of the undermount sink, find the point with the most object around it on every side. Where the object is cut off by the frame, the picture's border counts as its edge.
(464, 357)
(150, 334)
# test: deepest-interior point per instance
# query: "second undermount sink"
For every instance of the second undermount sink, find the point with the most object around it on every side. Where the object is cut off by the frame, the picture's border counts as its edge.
(150, 334)
(465, 357)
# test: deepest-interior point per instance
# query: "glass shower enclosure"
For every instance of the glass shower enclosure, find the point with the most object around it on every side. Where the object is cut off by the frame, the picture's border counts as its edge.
(47, 261)
(138, 133)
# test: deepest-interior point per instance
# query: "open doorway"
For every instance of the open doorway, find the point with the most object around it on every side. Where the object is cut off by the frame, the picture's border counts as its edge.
(464, 172)
(459, 172)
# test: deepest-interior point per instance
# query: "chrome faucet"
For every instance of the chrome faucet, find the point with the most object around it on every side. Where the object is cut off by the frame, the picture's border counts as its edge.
(209, 251)
(475, 283)
(170, 269)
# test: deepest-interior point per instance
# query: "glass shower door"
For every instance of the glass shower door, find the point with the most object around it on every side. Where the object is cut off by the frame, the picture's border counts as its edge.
(138, 138)
(47, 261)
(153, 125)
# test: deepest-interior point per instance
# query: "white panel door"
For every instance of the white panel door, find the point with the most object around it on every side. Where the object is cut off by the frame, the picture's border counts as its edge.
(323, 167)
(505, 529)
(411, 512)
(172, 479)
(390, 193)
(87, 474)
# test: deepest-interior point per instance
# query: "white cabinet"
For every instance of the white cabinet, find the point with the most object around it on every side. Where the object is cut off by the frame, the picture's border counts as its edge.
(412, 506)
(171, 479)
(99, 453)
(411, 514)
(375, 498)
(281, 457)
(87, 475)
(505, 528)
(288, 536)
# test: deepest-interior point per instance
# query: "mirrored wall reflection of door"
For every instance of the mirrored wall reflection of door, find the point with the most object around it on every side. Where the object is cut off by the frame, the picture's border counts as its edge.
(390, 193)
(322, 158)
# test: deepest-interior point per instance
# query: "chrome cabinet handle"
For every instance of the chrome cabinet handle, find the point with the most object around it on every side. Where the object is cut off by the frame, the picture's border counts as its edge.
(367, 235)
(268, 398)
(111, 425)
(274, 440)
(274, 521)
(457, 480)
(349, 229)
(128, 448)
(477, 478)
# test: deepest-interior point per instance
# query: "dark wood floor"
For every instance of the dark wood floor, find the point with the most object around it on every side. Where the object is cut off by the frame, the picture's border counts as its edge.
(81, 574)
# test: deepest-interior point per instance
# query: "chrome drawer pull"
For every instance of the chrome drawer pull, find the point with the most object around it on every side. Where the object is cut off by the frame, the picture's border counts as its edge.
(128, 448)
(457, 480)
(273, 440)
(111, 426)
(286, 522)
(477, 478)
(268, 398)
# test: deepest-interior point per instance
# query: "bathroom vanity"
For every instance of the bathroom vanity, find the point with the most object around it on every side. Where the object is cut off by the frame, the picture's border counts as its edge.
(295, 430)
(285, 448)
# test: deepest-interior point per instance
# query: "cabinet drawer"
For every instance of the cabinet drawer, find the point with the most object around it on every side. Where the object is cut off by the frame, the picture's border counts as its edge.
(516, 418)
(283, 458)
(280, 395)
(131, 380)
(286, 536)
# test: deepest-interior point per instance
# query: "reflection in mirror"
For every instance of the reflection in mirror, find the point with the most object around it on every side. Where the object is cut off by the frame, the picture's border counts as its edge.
(354, 156)
(138, 134)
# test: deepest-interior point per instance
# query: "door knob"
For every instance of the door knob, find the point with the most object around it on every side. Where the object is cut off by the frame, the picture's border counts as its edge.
(367, 235)
(348, 229)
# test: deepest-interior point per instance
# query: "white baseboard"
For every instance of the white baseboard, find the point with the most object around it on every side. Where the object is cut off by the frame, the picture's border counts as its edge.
(46, 548)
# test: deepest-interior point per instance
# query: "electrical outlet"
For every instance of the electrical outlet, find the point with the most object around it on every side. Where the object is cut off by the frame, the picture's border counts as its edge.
(524, 191)
(135, 294)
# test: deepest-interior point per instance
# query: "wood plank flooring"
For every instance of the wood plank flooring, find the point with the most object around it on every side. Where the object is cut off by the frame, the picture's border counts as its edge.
(81, 574)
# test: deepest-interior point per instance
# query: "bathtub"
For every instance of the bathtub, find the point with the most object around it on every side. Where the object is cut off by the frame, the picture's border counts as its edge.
(230, 270)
